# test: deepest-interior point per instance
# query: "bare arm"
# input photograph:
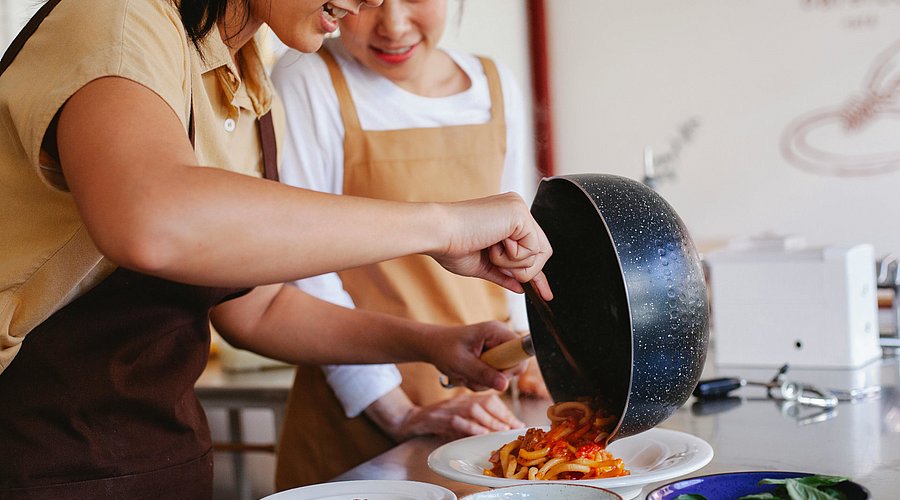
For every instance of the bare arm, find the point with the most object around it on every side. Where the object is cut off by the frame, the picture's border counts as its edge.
(149, 207)
(282, 322)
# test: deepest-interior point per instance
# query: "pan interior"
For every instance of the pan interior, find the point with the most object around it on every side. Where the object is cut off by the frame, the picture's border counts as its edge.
(590, 305)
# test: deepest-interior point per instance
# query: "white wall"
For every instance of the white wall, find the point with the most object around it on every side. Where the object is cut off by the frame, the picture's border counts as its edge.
(13, 15)
(632, 74)
(497, 29)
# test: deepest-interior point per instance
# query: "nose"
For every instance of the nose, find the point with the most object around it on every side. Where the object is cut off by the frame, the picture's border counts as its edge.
(370, 3)
(393, 19)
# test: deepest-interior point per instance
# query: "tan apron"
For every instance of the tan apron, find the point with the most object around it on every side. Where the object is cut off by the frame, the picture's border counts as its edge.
(428, 164)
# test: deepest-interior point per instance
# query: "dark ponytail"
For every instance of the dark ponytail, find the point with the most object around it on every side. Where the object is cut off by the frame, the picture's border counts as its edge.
(200, 16)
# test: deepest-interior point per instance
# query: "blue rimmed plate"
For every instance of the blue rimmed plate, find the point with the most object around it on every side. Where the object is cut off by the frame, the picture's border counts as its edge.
(733, 485)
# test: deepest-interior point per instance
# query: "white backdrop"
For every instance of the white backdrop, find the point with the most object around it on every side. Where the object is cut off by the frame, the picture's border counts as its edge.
(714, 86)
(497, 29)
(13, 15)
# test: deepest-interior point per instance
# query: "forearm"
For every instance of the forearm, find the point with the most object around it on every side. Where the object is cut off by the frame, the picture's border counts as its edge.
(207, 223)
(391, 413)
(284, 323)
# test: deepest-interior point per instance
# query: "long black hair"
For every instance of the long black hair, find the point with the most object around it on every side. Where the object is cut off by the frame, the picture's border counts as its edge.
(200, 16)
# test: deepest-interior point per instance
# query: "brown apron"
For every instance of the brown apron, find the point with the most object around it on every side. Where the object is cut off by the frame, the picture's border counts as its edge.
(429, 164)
(99, 402)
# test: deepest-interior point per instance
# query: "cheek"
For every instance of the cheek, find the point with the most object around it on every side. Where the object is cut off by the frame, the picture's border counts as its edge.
(355, 46)
(353, 27)
(432, 23)
(354, 36)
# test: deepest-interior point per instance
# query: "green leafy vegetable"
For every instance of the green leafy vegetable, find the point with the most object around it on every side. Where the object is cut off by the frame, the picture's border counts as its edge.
(810, 480)
(802, 488)
(690, 497)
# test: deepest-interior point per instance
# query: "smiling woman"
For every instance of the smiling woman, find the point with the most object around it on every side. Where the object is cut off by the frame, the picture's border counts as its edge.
(132, 213)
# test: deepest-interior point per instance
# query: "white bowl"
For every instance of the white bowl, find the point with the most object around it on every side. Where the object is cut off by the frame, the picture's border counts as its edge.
(545, 491)
(378, 489)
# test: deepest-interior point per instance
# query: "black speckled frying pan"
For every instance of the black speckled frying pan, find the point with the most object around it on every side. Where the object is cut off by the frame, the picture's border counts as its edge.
(630, 300)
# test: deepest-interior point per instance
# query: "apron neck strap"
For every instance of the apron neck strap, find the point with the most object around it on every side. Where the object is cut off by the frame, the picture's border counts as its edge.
(348, 108)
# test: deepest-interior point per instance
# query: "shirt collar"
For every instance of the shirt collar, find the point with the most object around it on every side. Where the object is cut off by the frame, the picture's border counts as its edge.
(217, 58)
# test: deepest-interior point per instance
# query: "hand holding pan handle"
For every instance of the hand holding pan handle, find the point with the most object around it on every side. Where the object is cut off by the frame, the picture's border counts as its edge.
(513, 352)
(502, 357)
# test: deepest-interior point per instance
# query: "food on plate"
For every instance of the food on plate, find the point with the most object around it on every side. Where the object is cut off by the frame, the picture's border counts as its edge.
(573, 448)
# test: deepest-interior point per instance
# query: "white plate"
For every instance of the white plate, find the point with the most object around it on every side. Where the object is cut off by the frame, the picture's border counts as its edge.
(370, 490)
(651, 456)
(545, 490)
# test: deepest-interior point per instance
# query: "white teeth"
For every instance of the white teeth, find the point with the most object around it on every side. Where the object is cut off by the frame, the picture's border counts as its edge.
(333, 12)
(397, 51)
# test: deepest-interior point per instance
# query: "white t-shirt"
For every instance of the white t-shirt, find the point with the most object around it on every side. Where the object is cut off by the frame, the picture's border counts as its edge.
(313, 157)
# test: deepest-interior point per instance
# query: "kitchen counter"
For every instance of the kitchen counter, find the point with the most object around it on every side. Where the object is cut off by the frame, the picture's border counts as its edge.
(859, 439)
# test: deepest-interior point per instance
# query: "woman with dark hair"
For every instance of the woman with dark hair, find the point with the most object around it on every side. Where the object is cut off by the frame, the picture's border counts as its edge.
(132, 212)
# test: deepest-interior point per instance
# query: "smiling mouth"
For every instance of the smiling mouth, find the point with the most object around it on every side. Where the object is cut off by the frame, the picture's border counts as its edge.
(333, 12)
(395, 52)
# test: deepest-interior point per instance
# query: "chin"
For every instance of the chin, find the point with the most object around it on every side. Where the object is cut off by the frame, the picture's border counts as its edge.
(302, 38)
(308, 46)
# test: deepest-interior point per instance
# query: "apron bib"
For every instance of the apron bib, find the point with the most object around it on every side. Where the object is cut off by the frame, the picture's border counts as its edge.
(100, 402)
(444, 164)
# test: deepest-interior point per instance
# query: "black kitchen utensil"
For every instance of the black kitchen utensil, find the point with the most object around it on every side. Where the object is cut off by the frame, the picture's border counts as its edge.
(630, 301)
(780, 388)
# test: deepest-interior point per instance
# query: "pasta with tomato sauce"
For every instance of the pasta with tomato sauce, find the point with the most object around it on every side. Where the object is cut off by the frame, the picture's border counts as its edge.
(573, 448)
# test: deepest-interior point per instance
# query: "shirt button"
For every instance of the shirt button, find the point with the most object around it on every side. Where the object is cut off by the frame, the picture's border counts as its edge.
(229, 125)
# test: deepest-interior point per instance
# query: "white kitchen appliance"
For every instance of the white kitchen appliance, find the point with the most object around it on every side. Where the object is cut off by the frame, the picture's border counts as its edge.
(775, 300)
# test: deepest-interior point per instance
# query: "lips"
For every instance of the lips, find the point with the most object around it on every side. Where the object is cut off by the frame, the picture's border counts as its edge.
(395, 55)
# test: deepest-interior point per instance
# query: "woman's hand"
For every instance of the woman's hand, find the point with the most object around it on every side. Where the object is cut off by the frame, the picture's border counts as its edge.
(497, 239)
(461, 416)
(456, 352)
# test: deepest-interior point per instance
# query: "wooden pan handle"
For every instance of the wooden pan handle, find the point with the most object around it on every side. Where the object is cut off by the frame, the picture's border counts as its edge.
(509, 353)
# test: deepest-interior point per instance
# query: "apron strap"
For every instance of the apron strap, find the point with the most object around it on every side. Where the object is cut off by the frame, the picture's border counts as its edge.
(269, 146)
(348, 108)
(498, 111)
